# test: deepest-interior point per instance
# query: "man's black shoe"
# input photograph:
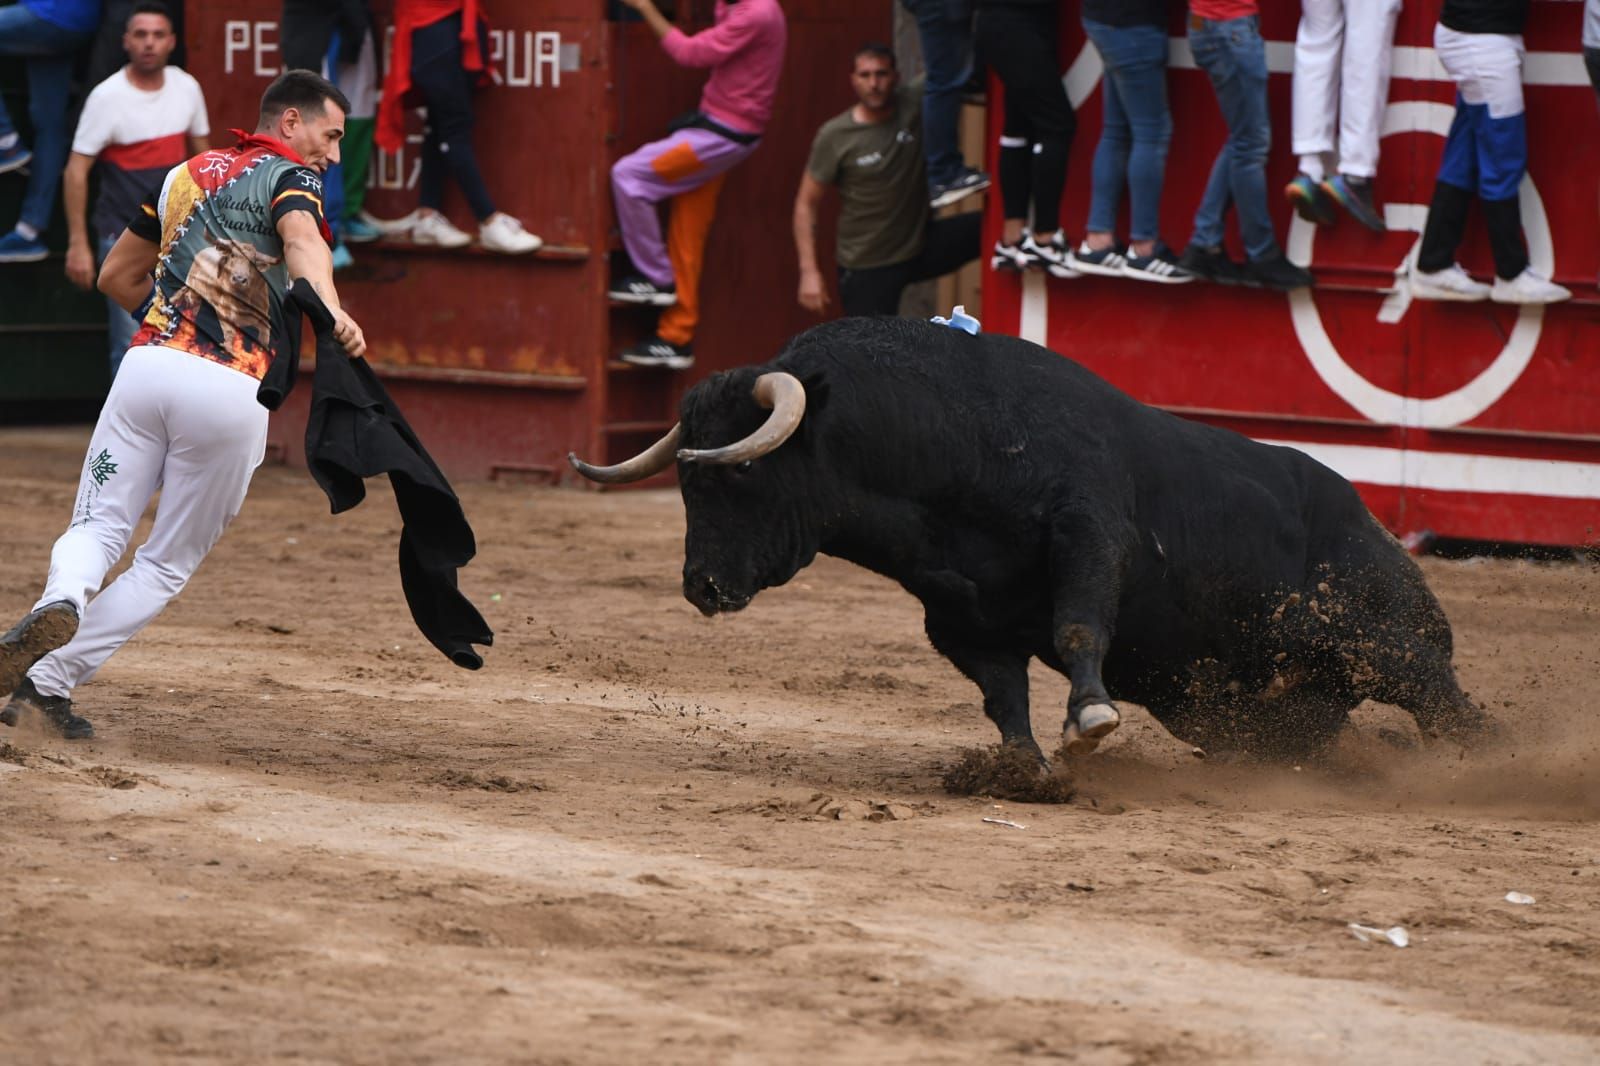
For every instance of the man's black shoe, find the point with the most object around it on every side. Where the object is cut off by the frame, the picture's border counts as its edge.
(37, 635)
(638, 289)
(1277, 273)
(964, 184)
(57, 710)
(654, 351)
(1211, 264)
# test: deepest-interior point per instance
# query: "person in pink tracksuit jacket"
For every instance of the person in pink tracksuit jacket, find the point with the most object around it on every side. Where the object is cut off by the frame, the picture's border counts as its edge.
(744, 49)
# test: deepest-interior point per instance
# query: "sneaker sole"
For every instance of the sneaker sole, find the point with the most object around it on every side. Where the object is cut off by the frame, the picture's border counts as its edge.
(641, 360)
(451, 246)
(1159, 279)
(37, 635)
(1097, 269)
(24, 257)
(1447, 295)
(642, 301)
(1089, 726)
(16, 164)
(1528, 303)
(955, 196)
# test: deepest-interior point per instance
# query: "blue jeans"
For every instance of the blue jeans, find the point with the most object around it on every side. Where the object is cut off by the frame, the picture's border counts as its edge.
(1232, 54)
(1137, 127)
(120, 326)
(48, 50)
(945, 29)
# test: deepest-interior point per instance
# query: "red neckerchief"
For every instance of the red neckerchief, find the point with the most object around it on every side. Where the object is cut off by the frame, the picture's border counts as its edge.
(271, 144)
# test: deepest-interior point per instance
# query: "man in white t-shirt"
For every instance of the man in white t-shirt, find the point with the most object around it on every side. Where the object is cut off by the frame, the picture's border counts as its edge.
(136, 125)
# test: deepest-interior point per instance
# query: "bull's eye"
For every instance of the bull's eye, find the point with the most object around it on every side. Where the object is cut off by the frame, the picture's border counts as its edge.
(746, 464)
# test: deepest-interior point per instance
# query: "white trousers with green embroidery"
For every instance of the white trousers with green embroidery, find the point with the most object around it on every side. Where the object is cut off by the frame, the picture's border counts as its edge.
(175, 422)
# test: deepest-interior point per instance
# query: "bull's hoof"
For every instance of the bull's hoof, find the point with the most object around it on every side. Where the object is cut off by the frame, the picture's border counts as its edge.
(1088, 725)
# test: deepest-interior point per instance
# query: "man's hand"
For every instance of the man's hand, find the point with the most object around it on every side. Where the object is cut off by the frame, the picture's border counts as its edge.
(658, 22)
(813, 293)
(80, 266)
(347, 333)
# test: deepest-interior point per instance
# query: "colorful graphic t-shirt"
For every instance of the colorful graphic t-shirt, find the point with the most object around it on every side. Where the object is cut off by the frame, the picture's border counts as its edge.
(220, 280)
(137, 137)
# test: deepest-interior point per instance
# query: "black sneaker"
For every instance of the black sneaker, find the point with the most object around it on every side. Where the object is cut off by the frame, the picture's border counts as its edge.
(1160, 266)
(1010, 258)
(1107, 262)
(37, 635)
(1055, 255)
(1355, 196)
(1277, 273)
(1309, 201)
(965, 184)
(638, 289)
(656, 352)
(57, 710)
(1211, 264)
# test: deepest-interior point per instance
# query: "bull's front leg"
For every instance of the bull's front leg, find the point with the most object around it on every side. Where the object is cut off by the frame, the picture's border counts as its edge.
(1086, 577)
(1002, 677)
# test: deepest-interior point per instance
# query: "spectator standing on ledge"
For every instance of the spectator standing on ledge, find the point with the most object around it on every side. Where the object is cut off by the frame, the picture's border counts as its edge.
(944, 28)
(136, 125)
(46, 34)
(886, 240)
(1017, 38)
(227, 232)
(440, 56)
(1486, 153)
(1225, 36)
(1342, 56)
(744, 49)
(1131, 37)
(335, 39)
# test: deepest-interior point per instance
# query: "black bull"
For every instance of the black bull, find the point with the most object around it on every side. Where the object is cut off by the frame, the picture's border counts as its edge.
(1241, 592)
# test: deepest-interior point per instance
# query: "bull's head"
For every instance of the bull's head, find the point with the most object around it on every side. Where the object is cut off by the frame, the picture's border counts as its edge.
(240, 260)
(748, 504)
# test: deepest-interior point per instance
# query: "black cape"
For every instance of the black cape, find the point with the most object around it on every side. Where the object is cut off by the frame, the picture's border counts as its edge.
(356, 432)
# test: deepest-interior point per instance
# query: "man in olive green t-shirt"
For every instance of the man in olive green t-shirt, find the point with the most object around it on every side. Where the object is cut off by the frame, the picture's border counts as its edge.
(873, 154)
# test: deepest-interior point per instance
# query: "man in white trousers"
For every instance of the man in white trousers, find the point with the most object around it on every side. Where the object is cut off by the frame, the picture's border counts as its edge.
(228, 231)
(1342, 55)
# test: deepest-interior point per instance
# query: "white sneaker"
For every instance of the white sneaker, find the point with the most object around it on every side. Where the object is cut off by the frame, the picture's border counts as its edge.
(434, 229)
(1451, 283)
(502, 233)
(1528, 288)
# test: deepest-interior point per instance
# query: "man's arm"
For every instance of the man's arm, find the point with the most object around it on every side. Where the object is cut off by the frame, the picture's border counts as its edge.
(655, 18)
(813, 294)
(307, 256)
(125, 275)
(75, 198)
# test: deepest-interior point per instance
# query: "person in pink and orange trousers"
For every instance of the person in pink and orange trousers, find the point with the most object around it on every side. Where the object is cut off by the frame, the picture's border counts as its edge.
(744, 49)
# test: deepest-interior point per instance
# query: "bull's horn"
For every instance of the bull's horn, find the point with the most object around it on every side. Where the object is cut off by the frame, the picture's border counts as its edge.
(652, 460)
(781, 392)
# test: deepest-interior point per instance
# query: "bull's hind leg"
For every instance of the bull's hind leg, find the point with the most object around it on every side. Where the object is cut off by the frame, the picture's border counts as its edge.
(1002, 677)
(1084, 569)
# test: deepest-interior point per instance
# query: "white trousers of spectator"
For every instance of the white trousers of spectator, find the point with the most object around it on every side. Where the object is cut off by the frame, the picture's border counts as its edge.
(173, 421)
(1342, 56)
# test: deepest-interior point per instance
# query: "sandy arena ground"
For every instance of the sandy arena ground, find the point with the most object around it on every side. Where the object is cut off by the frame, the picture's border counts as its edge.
(643, 836)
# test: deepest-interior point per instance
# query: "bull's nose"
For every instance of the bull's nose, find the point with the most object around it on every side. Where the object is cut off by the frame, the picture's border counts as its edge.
(701, 590)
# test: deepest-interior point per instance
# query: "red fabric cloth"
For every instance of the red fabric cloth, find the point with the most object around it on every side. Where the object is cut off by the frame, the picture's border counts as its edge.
(271, 144)
(409, 15)
(1222, 10)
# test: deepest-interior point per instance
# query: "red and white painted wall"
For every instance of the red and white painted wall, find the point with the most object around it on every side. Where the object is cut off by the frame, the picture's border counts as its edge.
(1467, 420)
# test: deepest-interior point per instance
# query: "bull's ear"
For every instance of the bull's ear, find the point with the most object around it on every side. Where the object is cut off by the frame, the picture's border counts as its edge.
(816, 384)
